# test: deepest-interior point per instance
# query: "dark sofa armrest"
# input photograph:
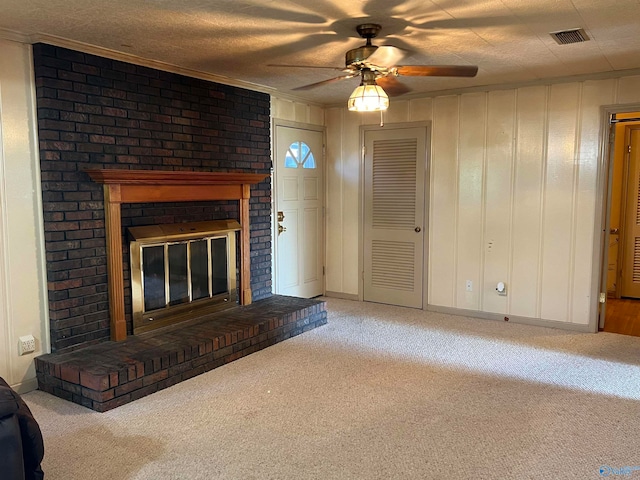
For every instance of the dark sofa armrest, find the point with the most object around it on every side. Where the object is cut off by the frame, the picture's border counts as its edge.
(8, 403)
(20, 435)
(11, 454)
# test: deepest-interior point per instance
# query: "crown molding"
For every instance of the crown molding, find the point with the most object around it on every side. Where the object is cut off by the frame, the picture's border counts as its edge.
(511, 86)
(129, 58)
(145, 62)
(168, 67)
(14, 36)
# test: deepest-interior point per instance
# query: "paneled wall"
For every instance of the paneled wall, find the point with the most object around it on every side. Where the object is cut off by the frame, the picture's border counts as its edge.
(511, 196)
(22, 280)
(296, 111)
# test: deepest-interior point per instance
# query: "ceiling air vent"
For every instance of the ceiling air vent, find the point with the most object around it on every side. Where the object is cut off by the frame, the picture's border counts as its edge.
(565, 37)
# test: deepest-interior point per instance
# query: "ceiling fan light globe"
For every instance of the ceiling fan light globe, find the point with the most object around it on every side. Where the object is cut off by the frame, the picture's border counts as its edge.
(368, 98)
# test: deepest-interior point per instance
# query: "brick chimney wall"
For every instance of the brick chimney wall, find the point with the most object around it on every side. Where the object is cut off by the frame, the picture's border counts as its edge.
(95, 112)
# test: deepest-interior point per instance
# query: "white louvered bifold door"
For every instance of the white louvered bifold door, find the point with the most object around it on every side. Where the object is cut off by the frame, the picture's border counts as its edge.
(631, 262)
(394, 216)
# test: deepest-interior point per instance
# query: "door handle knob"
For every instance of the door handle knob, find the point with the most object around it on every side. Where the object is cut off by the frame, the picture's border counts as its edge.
(281, 229)
(418, 229)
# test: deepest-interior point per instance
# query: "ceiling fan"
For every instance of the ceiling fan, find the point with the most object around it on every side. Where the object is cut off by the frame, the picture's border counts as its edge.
(378, 67)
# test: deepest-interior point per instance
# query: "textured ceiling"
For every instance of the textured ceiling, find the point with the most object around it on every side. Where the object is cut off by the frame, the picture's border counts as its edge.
(238, 39)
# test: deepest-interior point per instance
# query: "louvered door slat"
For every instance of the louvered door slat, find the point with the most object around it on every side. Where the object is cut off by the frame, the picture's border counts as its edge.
(394, 183)
(636, 261)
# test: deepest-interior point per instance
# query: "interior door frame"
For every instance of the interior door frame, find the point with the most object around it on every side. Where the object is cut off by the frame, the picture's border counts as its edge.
(427, 201)
(602, 224)
(622, 236)
(277, 122)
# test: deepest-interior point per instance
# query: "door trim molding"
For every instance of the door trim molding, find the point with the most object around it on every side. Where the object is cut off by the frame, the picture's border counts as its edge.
(278, 122)
(427, 196)
(623, 240)
(602, 223)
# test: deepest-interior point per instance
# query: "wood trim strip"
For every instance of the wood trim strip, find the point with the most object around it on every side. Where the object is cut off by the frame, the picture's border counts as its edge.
(178, 193)
(245, 245)
(113, 224)
(164, 177)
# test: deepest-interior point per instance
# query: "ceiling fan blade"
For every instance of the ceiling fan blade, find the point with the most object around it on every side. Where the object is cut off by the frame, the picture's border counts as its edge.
(437, 70)
(324, 82)
(340, 69)
(392, 86)
(386, 56)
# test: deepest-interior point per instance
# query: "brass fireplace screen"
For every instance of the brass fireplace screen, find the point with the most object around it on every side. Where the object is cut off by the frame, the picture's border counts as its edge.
(179, 269)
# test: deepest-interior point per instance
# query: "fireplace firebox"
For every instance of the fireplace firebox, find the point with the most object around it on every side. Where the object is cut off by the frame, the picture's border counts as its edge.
(181, 270)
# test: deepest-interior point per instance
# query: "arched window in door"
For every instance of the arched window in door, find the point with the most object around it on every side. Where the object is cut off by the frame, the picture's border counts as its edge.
(299, 154)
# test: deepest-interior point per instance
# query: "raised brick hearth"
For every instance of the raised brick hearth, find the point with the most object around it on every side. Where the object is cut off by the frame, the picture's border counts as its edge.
(105, 376)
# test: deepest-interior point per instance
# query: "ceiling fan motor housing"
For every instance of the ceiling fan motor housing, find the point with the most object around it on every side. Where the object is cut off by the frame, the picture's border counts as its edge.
(359, 54)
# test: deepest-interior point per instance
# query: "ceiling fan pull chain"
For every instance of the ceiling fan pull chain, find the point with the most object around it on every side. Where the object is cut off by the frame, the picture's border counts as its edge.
(382, 118)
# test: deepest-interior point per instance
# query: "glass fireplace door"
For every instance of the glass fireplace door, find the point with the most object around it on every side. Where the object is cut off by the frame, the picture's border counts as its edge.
(182, 272)
(179, 271)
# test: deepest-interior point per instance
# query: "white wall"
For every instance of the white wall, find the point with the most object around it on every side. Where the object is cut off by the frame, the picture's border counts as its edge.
(22, 271)
(512, 196)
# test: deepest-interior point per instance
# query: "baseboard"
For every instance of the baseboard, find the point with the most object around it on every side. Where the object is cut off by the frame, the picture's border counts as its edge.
(343, 296)
(538, 322)
(28, 385)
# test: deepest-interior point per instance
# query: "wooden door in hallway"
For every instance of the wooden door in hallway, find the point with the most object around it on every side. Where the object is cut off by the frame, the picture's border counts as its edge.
(622, 182)
(630, 284)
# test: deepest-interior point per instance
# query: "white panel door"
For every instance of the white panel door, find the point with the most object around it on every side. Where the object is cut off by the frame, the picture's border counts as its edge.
(631, 263)
(394, 216)
(299, 223)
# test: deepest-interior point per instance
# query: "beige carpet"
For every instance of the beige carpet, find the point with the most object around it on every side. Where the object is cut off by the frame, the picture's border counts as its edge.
(379, 393)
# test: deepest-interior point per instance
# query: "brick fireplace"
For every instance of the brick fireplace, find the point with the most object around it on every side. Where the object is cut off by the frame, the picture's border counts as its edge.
(101, 115)
(98, 113)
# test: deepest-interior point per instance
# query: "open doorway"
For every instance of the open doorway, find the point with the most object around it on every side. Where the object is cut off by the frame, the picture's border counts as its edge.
(622, 314)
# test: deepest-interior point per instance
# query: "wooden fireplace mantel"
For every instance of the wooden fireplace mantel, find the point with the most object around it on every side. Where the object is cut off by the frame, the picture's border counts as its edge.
(151, 186)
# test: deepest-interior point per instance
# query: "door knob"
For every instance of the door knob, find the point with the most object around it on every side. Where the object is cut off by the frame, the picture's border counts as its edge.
(418, 229)
(281, 229)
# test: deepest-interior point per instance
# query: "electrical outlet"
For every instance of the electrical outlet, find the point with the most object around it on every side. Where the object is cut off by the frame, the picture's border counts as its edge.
(26, 344)
(469, 286)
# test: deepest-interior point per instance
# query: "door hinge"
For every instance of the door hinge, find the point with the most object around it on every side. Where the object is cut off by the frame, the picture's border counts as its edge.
(612, 133)
(603, 297)
(323, 270)
(628, 148)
